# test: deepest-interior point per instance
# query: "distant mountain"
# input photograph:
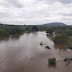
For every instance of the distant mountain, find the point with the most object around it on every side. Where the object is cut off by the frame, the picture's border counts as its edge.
(55, 24)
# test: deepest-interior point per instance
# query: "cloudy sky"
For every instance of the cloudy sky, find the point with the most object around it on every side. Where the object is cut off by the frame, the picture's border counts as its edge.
(35, 11)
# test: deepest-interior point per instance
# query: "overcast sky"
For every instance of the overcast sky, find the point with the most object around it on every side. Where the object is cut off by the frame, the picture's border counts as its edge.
(35, 11)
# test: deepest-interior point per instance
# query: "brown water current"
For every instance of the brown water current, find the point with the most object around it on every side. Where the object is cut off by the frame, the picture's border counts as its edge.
(23, 53)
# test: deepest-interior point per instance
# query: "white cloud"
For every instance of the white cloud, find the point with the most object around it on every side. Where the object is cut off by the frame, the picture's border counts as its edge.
(35, 11)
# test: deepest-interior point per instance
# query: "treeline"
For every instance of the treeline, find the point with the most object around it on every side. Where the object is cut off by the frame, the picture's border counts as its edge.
(6, 30)
(61, 30)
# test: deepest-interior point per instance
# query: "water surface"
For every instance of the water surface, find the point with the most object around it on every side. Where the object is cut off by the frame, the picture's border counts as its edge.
(23, 53)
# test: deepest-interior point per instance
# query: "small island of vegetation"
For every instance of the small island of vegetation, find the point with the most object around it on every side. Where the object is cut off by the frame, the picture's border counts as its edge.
(47, 47)
(52, 60)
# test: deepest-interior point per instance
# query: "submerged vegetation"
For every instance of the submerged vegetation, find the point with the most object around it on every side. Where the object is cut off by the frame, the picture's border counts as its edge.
(68, 60)
(47, 47)
(41, 43)
(52, 60)
(70, 47)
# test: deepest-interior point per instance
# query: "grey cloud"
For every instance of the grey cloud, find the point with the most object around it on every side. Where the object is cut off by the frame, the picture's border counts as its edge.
(15, 3)
(35, 12)
(66, 1)
(2, 15)
(62, 1)
(67, 15)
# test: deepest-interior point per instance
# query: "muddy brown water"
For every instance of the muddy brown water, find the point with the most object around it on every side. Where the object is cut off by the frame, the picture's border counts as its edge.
(23, 53)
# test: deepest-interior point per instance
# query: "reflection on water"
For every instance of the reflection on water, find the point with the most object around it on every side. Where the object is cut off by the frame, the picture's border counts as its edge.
(15, 37)
(49, 36)
(4, 38)
(23, 53)
(51, 66)
(12, 37)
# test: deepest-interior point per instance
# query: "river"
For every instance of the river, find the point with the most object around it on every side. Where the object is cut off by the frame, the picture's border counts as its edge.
(23, 53)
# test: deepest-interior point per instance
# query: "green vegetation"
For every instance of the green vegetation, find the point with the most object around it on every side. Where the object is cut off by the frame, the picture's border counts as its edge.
(61, 38)
(52, 60)
(47, 47)
(49, 31)
(35, 28)
(41, 43)
(70, 47)
(68, 60)
(63, 34)
(3, 32)
(14, 29)
(6, 30)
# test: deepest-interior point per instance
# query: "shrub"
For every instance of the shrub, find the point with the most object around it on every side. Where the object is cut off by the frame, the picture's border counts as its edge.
(47, 47)
(70, 47)
(49, 31)
(71, 59)
(52, 61)
(68, 60)
(35, 28)
(3, 32)
(41, 43)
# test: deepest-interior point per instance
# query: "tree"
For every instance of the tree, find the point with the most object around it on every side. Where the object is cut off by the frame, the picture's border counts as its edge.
(49, 31)
(35, 28)
(3, 32)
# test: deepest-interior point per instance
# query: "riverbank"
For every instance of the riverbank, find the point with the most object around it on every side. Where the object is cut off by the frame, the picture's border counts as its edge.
(6, 30)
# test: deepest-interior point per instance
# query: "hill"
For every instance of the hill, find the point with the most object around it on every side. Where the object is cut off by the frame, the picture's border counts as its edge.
(55, 24)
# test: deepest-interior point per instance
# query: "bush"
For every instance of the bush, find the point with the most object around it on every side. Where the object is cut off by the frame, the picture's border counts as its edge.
(52, 61)
(14, 30)
(47, 47)
(3, 32)
(70, 47)
(49, 31)
(68, 60)
(41, 43)
(35, 28)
